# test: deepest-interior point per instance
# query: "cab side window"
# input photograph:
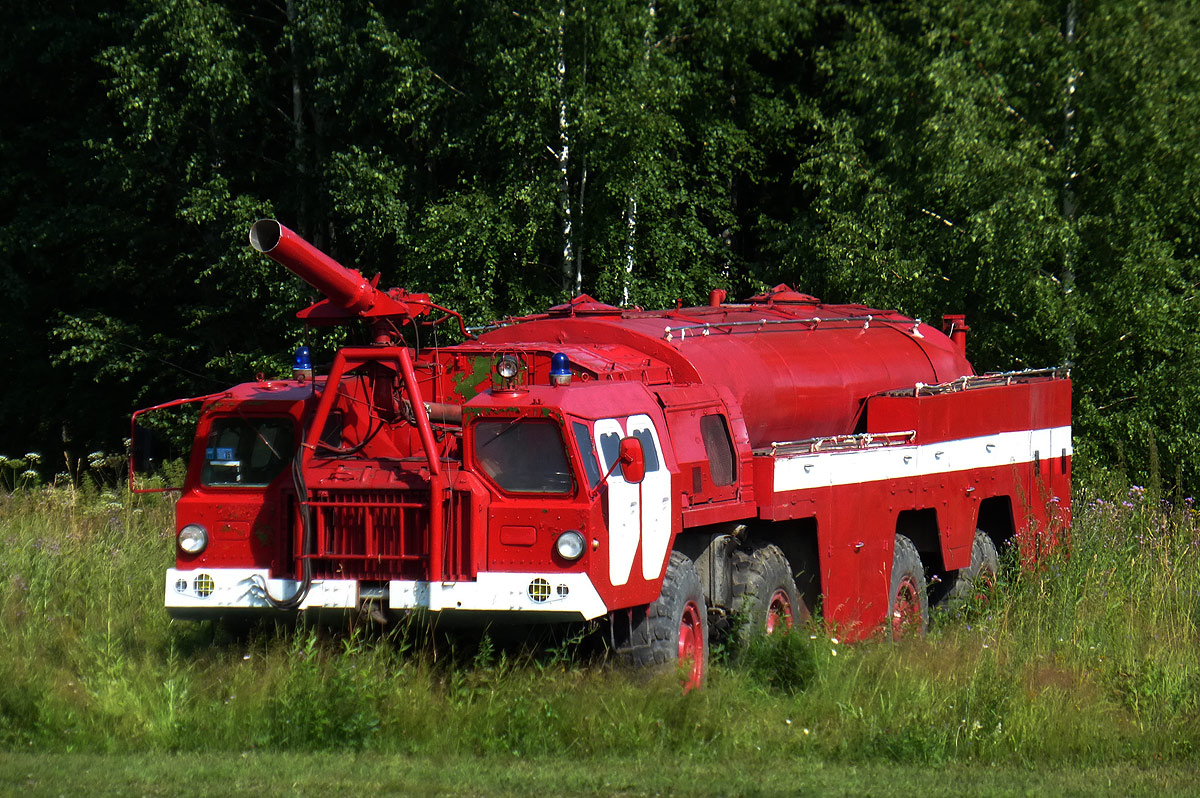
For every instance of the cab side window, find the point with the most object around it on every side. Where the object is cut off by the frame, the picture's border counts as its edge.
(719, 448)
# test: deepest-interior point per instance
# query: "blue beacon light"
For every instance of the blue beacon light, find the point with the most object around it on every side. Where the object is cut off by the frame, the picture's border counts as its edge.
(302, 365)
(560, 369)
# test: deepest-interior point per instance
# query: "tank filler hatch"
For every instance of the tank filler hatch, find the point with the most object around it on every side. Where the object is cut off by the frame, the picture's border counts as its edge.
(783, 294)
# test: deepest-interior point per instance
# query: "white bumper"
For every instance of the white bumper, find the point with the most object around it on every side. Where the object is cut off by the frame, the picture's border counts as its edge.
(210, 592)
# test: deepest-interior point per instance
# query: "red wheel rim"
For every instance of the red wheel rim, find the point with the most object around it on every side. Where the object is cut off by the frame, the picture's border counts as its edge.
(985, 584)
(779, 612)
(691, 646)
(906, 610)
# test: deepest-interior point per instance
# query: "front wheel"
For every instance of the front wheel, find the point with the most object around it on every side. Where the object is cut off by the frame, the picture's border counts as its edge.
(908, 602)
(673, 630)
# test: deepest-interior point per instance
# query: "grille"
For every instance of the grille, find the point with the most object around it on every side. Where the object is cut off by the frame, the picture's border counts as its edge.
(380, 535)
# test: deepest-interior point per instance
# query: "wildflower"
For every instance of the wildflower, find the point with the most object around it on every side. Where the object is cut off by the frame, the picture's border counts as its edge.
(33, 457)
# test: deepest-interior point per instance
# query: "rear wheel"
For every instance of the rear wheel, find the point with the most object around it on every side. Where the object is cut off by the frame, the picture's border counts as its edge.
(976, 582)
(765, 591)
(908, 603)
(673, 630)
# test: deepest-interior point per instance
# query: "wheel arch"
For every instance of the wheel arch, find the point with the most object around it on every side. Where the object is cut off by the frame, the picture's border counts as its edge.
(798, 541)
(996, 519)
(922, 528)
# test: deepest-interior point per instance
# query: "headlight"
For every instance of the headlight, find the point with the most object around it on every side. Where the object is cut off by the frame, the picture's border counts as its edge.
(569, 545)
(193, 538)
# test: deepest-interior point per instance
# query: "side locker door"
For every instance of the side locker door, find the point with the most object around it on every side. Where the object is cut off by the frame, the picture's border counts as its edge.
(622, 505)
(655, 498)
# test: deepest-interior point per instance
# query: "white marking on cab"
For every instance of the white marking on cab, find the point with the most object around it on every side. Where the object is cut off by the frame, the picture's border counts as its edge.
(638, 515)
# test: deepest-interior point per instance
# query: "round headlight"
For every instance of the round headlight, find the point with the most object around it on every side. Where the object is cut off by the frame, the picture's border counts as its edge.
(507, 367)
(193, 538)
(569, 545)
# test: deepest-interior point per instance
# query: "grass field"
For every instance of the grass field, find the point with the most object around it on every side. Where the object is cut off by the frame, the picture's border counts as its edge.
(1079, 678)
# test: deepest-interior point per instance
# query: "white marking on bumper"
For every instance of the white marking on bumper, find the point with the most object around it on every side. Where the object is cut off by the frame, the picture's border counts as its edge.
(241, 588)
(568, 593)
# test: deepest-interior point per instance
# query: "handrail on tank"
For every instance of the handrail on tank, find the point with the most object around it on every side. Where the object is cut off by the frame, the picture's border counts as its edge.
(814, 323)
(827, 443)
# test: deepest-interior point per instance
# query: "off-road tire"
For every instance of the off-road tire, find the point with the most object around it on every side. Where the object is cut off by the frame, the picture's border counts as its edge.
(982, 573)
(908, 600)
(671, 630)
(765, 593)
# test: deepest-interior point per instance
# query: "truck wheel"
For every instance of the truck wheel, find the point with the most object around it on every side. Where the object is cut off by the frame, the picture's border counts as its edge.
(976, 581)
(908, 603)
(763, 589)
(673, 630)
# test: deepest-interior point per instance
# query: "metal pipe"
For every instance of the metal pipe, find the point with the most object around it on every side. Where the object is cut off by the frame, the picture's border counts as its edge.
(344, 287)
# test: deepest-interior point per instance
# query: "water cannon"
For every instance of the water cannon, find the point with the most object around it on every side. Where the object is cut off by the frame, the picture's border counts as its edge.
(348, 294)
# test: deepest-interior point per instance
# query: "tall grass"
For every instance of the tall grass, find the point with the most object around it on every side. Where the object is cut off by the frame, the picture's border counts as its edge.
(1088, 659)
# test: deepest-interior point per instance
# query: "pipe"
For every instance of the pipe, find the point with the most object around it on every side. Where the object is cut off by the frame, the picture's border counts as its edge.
(954, 325)
(344, 287)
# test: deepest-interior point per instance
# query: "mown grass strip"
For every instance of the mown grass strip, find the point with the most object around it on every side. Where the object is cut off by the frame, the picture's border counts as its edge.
(279, 774)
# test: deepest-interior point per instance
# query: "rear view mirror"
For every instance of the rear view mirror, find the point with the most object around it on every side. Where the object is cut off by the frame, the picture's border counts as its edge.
(160, 440)
(632, 460)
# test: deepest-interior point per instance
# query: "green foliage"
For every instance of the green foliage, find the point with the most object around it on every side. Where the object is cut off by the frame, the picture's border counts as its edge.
(914, 156)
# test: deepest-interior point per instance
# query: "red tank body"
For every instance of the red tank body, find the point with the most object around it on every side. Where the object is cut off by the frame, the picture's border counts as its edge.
(797, 368)
(665, 472)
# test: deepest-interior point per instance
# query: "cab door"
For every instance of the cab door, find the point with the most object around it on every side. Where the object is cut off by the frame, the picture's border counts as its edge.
(639, 515)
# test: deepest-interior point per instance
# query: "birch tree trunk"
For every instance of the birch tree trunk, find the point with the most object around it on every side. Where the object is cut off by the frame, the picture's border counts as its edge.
(297, 116)
(572, 275)
(631, 207)
(1069, 201)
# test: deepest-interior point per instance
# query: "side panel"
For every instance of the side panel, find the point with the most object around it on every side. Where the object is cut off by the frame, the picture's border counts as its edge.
(965, 447)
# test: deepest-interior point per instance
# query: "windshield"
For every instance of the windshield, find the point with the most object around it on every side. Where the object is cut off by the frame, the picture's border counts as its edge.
(247, 452)
(523, 456)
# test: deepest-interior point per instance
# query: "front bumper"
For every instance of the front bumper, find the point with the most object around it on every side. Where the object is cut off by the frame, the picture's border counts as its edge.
(214, 592)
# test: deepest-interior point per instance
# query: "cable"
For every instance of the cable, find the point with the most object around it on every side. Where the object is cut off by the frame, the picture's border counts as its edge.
(294, 601)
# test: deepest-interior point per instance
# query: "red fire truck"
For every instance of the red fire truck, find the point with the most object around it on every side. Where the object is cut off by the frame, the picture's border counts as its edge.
(659, 470)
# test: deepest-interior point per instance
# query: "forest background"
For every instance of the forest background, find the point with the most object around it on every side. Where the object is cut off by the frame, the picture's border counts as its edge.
(1034, 165)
